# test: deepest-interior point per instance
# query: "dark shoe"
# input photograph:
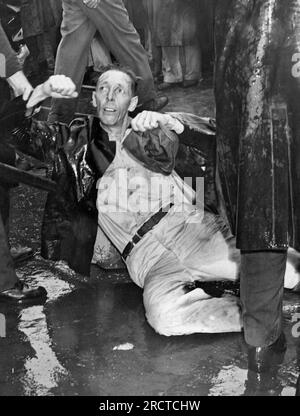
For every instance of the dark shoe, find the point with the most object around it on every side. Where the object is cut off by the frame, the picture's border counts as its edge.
(155, 104)
(262, 384)
(22, 293)
(190, 83)
(263, 359)
(168, 85)
(20, 254)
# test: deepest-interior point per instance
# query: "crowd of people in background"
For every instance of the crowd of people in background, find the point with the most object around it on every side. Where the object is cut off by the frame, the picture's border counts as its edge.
(178, 52)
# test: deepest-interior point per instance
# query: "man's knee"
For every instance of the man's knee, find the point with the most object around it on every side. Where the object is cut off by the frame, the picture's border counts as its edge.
(161, 324)
(167, 318)
(211, 315)
(160, 317)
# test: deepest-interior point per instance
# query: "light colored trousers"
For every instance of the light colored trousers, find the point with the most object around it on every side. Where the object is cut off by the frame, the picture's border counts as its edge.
(181, 63)
(179, 250)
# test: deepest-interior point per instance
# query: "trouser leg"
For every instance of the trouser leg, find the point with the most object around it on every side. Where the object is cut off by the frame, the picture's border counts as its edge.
(4, 208)
(72, 57)
(157, 60)
(100, 55)
(118, 33)
(172, 308)
(192, 62)
(262, 281)
(171, 66)
(182, 249)
(8, 277)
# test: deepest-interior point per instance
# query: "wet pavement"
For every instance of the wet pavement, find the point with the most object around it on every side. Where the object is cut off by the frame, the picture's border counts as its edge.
(91, 336)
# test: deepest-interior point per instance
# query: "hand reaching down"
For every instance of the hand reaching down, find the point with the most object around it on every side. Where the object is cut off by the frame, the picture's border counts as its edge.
(57, 86)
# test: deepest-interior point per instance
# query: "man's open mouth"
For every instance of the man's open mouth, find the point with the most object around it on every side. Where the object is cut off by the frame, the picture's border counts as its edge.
(109, 110)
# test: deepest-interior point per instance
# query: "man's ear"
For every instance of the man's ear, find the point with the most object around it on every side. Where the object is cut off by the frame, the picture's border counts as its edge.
(133, 103)
(94, 99)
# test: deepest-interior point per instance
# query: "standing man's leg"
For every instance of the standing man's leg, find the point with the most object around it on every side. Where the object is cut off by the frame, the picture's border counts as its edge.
(11, 289)
(4, 207)
(10, 286)
(8, 277)
(262, 283)
(171, 67)
(72, 56)
(192, 65)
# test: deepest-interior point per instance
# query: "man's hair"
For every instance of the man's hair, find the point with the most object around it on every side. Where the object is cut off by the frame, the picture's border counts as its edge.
(125, 70)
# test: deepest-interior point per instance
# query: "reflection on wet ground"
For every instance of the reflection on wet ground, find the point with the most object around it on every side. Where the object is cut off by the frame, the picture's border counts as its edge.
(91, 336)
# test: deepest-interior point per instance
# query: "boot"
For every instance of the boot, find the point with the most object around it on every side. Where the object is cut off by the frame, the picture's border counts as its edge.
(262, 384)
(263, 359)
(155, 104)
(21, 254)
(21, 292)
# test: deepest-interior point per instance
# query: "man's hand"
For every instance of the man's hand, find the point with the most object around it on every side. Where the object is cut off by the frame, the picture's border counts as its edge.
(92, 4)
(148, 120)
(20, 85)
(57, 86)
(60, 86)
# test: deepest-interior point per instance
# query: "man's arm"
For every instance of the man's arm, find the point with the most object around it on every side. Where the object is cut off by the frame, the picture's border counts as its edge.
(11, 69)
(148, 120)
(31, 136)
(9, 61)
(57, 86)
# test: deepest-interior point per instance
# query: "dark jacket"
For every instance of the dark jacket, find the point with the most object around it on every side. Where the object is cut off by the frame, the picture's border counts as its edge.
(258, 120)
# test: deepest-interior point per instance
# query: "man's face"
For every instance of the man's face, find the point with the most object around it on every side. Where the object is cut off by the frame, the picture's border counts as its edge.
(114, 98)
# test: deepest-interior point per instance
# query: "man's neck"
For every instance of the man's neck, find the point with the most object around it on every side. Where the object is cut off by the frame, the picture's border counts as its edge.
(116, 133)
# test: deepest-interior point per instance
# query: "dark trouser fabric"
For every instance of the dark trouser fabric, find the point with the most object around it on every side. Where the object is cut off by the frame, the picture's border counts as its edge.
(8, 276)
(79, 25)
(4, 206)
(262, 282)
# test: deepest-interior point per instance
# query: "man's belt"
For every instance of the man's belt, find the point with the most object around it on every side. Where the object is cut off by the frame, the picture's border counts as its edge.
(147, 226)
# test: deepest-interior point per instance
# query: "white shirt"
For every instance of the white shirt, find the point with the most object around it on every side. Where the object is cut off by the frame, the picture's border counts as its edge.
(129, 194)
